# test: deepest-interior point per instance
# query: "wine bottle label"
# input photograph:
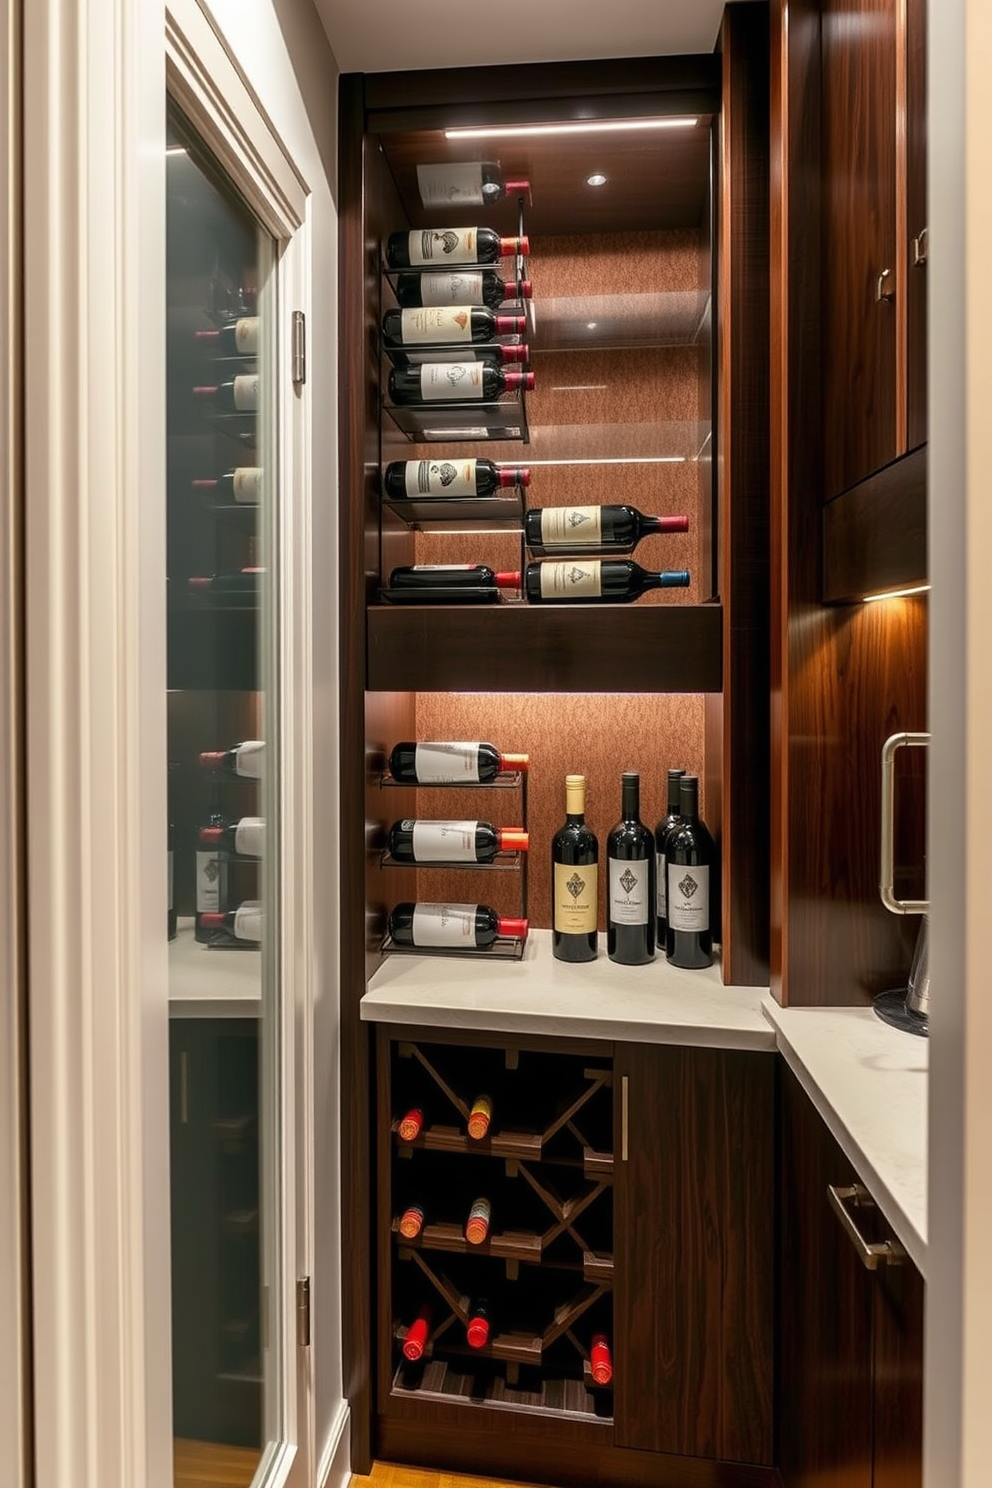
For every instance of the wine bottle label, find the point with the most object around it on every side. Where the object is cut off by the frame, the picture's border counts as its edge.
(688, 897)
(453, 185)
(248, 920)
(248, 836)
(246, 335)
(570, 580)
(247, 483)
(451, 289)
(630, 886)
(440, 477)
(444, 245)
(576, 898)
(455, 380)
(444, 841)
(211, 882)
(446, 764)
(570, 524)
(435, 324)
(444, 924)
(248, 758)
(245, 394)
(661, 883)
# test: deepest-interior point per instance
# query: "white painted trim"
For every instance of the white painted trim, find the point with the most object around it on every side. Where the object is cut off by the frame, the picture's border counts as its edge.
(334, 1469)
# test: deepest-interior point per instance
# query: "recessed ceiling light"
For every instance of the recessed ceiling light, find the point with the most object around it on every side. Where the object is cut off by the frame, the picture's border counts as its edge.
(574, 126)
(595, 180)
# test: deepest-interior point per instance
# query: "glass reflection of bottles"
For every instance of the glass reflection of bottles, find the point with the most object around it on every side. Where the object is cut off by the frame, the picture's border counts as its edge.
(236, 590)
(211, 884)
(173, 922)
(239, 928)
(244, 837)
(241, 486)
(242, 761)
(236, 395)
(236, 337)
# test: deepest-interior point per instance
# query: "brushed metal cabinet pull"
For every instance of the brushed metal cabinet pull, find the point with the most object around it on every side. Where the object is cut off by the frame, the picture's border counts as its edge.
(883, 291)
(886, 1252)
(623, 1117)
(920, 249)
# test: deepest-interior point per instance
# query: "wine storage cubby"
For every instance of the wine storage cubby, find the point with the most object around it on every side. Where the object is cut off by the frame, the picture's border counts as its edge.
(541, 1267)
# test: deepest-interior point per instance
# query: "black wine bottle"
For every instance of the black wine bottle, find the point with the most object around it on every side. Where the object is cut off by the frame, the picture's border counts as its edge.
(462, 382)
(595, 581)
(407, 479)
(444, 325)
(243, 760)
(241, 926)
(450, 583)
(479, 1324)
(236, 588)
(238, 395)
(243, 486)
(493, 353)
(244, 837)
(454, 762)
(459, 926)
(691, 865)
(466, 183)
(235, 338)
(453, 841)
(575, 880)
(601, 529)
(469, 287)
(661, 831)
(630, 904)
(451, 245)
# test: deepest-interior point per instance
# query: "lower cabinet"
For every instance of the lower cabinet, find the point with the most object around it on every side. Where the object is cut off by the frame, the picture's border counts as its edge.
(852, 1337)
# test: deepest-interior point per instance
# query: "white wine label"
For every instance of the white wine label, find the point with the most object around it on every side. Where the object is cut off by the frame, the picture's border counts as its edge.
(247, 484)
(570, 580)
(248, 920)
(246, 394)
(576, 898)
(248, 759)
(459, 380)
(570, 524)
(457, 245)
(246, 335)
(661, 884)
(444, 924)
(440, 477)
(444, 841)
(249, 837)
(630, 892)
(688, 897)
(453, 185)
(211, 882)
(451, 289)
(436, 324)
(445, 764)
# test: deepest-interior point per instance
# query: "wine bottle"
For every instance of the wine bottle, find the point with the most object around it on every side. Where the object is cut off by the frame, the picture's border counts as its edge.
(469, 287)
(451, 245)
(238, 395)
(410, 1125)
(244, 838)
(690, 862)
(172, 923)
(417, 1334)
(444, 325)
(239, 587)
(242, 760)
(595, 581)
(450, 583)
(466, 183)
(600, 1359)
(242, 485)
(453, 841)
(407, 479)
(661, 831)
(464, 926)
(603, 529)
(210, 887)
(241, 926)
(480, 1117)
(631, 903)
(235, 338)
(463, 382)
(455, 762)
(411, 1221)
(478, 1326)
(574, 869)
(477, 1224)
(492, 353)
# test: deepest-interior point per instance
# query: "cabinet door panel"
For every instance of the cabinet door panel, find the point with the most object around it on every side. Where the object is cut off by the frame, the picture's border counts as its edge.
(916, 220)
(898, 1367)
(693, 1281)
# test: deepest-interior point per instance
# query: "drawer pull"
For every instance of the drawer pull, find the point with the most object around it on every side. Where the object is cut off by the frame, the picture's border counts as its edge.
(886, 1252)
(884, 291)
(623, 1118)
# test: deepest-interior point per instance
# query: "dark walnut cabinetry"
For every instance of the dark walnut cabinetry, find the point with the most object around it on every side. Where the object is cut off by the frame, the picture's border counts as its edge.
(852, 1338)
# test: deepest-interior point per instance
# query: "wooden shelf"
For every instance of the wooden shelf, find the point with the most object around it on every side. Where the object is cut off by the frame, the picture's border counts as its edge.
(875, 534)
(540, 648)
(512, 1245)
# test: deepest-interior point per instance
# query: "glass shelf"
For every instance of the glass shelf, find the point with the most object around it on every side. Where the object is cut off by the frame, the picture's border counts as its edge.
(504, 862)
(442, 596)
(508, 780)
(504, 511)
(449, 422)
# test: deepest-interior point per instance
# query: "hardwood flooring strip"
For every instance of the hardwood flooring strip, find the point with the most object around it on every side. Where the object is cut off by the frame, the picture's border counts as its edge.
(394, 1475)
(210, 1465)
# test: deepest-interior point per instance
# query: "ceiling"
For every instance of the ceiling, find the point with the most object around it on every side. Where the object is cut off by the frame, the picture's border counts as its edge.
(392, 35)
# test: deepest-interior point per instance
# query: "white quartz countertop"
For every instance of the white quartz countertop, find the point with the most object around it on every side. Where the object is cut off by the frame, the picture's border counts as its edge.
(869, 1083)
(655, 1004)
(212, 983)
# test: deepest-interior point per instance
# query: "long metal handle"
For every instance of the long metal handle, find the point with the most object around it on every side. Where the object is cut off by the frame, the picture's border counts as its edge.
(886, 868)
(623, 1118)
(886, 1252)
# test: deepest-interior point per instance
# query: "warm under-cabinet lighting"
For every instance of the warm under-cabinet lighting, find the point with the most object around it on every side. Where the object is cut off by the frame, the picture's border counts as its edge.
(574, 126)
(596, 180)
(897, 593)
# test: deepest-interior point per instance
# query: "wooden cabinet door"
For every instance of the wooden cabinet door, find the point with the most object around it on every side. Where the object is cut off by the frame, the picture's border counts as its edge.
(694, 1239)
(916, 221)
(898, 1375)
(859, 241)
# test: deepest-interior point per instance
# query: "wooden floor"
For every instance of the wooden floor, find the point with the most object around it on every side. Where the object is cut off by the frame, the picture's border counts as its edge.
(206, 1465)
(390, 1475)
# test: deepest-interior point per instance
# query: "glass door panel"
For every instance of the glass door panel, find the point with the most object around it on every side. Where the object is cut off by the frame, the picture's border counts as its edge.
(221, 565)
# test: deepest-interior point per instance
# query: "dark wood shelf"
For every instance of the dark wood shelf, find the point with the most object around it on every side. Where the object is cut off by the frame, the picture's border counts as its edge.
(539, 648)
(512, 1245)
(524, 1145)
(875, 534)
